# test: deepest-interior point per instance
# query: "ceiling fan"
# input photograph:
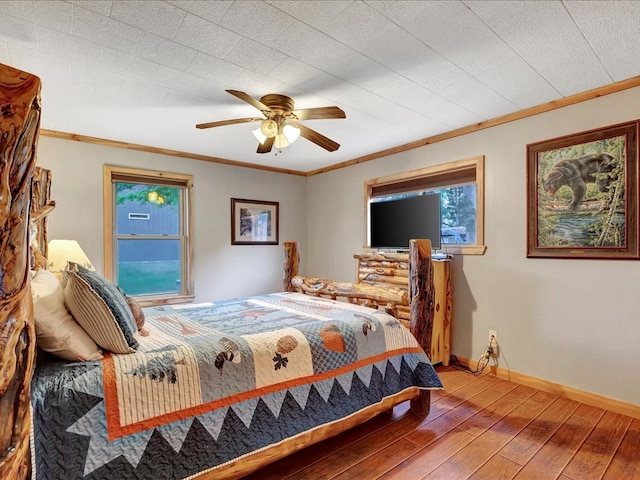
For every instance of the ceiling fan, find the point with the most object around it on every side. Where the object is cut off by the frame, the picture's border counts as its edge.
(280, 125)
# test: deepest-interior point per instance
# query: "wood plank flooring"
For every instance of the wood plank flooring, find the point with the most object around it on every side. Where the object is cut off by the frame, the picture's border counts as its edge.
(479, 428)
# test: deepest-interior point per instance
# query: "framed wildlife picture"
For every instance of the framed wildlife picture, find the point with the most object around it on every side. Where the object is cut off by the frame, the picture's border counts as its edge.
(582, 195)
(254, 222)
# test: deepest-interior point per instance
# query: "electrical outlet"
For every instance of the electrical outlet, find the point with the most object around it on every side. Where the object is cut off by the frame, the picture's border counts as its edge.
(493, 342)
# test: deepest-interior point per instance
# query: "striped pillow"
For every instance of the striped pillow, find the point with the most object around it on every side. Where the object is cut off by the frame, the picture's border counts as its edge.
(100, 308)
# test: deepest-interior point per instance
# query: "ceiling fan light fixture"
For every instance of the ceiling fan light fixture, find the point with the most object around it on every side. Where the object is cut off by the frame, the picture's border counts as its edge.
(269, 128)
(279, 125)
(292, 133)
(281, 141)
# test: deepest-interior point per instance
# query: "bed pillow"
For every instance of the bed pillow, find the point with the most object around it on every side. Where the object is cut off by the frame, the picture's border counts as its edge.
(100, 308)
(56, 330)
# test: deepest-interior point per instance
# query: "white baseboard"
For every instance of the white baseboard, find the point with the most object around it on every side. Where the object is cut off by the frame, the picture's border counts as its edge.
(572, 393)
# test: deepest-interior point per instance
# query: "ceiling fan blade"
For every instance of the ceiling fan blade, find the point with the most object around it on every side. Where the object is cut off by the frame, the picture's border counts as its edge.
(317, 138)
(249, 99)
(266, 146)
(319, 113)
(228, 122)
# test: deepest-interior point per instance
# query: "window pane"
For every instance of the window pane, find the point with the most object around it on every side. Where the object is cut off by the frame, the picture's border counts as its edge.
(149, 266)
(459, 214)
(144, 209)
(458, 207)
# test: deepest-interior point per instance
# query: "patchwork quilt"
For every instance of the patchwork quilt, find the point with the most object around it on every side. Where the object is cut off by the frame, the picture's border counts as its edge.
(214, 382)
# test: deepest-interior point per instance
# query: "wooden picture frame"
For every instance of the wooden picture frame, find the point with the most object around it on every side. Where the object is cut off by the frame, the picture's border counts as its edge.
(582, 195)
(254, 222)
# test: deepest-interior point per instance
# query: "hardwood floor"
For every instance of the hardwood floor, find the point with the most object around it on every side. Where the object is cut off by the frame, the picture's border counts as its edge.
(479, 428)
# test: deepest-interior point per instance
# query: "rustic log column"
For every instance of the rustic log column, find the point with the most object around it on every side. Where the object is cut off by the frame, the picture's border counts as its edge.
(422, 302)
(291, 263)
(19, 127)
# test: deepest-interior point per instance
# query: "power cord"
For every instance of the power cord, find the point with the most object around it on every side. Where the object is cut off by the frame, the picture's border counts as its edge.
(482, 362)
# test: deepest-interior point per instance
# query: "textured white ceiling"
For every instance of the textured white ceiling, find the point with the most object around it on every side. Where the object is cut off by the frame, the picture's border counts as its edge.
(146, 72)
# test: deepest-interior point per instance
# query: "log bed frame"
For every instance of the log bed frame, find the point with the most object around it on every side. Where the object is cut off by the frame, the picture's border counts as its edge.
(24, 197)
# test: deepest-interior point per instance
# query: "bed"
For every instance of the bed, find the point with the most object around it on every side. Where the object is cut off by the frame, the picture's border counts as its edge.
(215, 390)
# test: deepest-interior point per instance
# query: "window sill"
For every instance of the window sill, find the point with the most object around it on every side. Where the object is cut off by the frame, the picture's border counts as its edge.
(450, 248)
(153, 301)
(463, 249)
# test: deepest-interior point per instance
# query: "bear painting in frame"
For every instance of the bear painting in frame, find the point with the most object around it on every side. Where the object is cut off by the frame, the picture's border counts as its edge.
(582, 195)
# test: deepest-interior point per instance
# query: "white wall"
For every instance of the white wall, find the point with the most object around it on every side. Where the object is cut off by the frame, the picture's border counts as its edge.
(574, 322)
(222, 270)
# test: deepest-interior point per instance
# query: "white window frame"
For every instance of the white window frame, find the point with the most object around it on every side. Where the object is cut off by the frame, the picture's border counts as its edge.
(445, 175)
(113, 174)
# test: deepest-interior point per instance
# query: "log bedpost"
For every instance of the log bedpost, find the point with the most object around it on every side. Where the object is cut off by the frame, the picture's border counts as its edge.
(422, 308)
(19, 128)
(41, 206)
(291, 264)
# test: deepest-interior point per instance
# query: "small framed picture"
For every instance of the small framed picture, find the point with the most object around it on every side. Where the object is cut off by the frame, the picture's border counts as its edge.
(254, 222)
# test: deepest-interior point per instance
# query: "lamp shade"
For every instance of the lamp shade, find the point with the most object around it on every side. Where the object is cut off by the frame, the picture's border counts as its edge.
(281, 141)
(292, 133)
(259, 135)
(283, 136)
(269, 128)
(63, 251)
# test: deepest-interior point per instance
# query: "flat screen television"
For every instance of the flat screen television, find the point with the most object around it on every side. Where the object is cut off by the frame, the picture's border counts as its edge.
(393, 223)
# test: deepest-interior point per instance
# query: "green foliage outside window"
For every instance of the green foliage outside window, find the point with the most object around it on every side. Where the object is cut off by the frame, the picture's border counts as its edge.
(458, 205)
(158, 195)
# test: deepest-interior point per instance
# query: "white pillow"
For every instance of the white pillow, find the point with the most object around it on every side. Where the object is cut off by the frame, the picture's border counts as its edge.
(56, 330)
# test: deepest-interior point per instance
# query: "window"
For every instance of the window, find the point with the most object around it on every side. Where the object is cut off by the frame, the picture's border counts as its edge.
(461, 188)
(148, 233)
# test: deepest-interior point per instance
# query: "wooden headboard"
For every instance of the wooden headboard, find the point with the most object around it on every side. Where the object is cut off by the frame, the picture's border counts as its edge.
(19, 128)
